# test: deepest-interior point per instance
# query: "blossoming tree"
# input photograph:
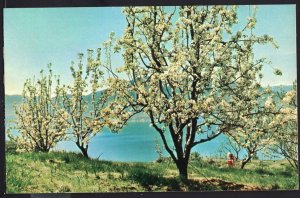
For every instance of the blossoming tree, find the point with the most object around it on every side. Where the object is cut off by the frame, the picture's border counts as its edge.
(84, 110)
(40, 119)
(230, 146)
(287, 137)
(270, 125)
(188, 70)
(256, 127)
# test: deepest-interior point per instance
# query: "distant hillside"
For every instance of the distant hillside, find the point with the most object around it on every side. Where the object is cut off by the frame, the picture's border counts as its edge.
(283, 88)
(11, 100)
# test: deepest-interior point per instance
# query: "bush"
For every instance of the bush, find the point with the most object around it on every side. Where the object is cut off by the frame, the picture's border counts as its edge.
(195, 156)
(11, 147)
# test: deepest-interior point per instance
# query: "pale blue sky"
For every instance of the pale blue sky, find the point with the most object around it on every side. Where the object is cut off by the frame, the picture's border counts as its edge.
(37, 36)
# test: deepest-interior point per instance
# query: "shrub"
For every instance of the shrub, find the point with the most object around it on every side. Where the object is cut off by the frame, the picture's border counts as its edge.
(11, 147)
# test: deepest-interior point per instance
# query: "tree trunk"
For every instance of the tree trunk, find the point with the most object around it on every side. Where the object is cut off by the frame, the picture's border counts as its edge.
(84, 150)
(182, 166)
(244, 162)
(41, 149)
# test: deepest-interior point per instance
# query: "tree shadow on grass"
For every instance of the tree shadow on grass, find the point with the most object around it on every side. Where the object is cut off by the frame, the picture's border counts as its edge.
(153, 180)
(226, 185)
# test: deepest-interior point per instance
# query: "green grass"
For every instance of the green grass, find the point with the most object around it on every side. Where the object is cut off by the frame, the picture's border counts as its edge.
(266, 175)
(70, 172)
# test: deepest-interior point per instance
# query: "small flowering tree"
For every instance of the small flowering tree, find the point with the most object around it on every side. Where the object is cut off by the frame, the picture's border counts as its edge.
(188, 71)
(40, 119)
(255, 132)
(84, 110)
(268, 125)
(230, 146)
(287, 136)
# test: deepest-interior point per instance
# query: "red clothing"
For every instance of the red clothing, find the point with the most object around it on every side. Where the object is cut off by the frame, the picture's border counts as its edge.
(231, 160)
(230, 163)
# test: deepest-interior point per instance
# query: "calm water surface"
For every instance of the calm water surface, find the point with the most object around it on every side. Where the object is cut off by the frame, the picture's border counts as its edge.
(135, 142)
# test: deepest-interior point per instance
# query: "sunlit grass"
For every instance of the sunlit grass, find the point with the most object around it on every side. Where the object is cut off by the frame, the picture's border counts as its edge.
(266, 174)
(70, 172)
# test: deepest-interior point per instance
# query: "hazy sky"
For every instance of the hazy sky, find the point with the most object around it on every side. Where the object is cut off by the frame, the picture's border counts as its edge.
(35, 37)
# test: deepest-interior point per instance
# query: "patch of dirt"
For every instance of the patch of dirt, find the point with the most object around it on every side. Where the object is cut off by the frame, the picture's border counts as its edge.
(225, 185)
(200, 184)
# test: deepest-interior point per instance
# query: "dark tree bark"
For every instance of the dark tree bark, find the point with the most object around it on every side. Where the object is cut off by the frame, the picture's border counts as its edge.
(250, 155)
(182, 166)
(244, 162)
(43, 149)
(83, 149)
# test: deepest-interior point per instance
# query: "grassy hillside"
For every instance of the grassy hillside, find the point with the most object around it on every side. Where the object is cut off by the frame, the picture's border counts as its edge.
(69, 172)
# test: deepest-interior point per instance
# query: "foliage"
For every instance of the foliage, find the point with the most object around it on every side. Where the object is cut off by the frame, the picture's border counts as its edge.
(189, 71)
(41, 122)
(11, 147)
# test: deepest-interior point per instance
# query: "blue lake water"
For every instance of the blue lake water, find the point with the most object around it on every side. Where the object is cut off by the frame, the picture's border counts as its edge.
(135, 142)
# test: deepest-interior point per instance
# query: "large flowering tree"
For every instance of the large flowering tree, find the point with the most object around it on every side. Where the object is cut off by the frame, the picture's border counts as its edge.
(83, 100)
(188, 70)
(41, 122)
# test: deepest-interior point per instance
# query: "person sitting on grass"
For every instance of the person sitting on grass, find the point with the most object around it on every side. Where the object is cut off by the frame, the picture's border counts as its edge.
(231, 159)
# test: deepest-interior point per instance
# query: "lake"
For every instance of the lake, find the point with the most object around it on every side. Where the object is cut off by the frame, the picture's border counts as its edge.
(135, 142)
